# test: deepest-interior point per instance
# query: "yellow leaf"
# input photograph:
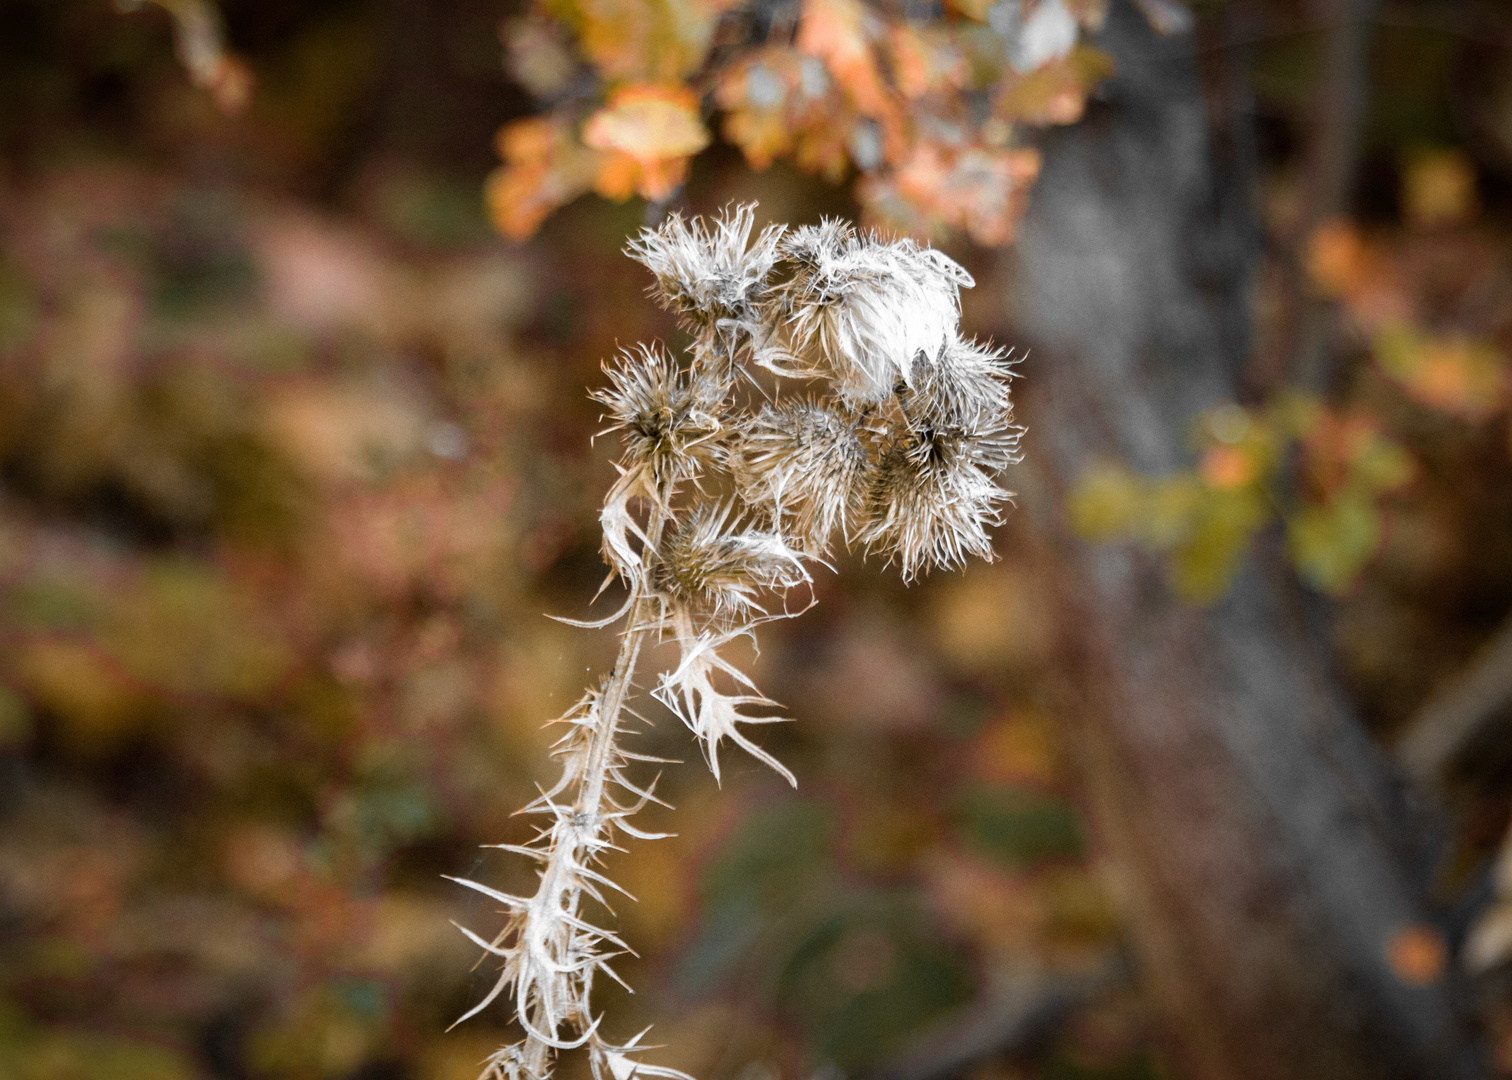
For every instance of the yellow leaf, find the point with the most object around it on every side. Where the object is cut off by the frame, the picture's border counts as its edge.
(1333, 541)
(641, 40)
(1054, 93)
(1222, 525)
(1106, 502)
(94, 703)
(1438, 188)
(1170, 508)
(651, 124)
(1456, 375)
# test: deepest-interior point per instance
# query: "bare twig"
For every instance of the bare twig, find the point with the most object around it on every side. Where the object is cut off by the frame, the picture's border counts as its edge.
(1338, 109)
(1016, 1008)
(1459, 711)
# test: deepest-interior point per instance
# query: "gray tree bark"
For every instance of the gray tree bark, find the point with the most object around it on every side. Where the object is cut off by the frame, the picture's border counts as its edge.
(1258, 836)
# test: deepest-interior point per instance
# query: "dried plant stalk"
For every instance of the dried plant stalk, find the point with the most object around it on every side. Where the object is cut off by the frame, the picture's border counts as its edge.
(897, 447)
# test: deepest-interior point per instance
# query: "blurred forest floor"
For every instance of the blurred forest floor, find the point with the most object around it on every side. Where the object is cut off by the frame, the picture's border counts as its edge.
(295, 452)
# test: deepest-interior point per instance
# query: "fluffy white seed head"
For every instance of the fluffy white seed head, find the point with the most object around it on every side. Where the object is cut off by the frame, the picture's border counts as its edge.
(932, 497)
(861, 310)
(967, 384)
(705, 271)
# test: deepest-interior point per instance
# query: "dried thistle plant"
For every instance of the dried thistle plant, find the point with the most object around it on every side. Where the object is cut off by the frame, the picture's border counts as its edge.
(727, 495)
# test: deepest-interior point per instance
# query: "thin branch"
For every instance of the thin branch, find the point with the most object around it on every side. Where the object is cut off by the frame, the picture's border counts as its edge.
(1459, 712)
(1301, 352)
(1017, 1007)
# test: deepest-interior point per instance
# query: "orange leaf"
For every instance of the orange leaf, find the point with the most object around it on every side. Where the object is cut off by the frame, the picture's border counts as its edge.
(924, 63)
(527, 142)
(618, 176)
(545, 168)
(982, 192)
(649, 123)
(1417, 955)
(836, 32)
(644, 40)
(1337, 260)
(755, 97)
(1228, 467)
(1456, 375)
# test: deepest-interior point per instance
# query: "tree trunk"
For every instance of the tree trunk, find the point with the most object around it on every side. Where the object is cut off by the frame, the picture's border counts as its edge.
(1256, 833)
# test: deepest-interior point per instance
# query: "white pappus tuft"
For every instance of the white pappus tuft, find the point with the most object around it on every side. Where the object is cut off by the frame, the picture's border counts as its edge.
(861, 310)
(719, 508)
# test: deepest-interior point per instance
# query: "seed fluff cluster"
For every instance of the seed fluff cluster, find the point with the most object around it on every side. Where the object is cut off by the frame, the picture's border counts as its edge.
(827, 399)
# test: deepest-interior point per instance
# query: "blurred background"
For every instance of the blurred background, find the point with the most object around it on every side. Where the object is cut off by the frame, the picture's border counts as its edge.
(295, 452)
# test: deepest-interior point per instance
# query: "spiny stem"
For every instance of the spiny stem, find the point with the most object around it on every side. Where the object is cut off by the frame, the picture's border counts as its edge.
(618, 686)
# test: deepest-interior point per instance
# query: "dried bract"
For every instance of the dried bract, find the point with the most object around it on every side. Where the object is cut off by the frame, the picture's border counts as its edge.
(663, 415)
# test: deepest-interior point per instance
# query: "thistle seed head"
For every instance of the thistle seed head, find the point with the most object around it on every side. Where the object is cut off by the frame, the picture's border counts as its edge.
(801, 465)
(931, 499)
(860, 310)
(965, 385)
(665, 419)
(900, 453)
(722, 569)
(705, 272)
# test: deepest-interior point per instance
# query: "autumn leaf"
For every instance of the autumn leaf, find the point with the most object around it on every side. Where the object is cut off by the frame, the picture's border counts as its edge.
(1438, 188)
(1106, 502)
(545, 168)
(1338, 261)
(925, 61)
(1055, 93)
(1459, 375)
(653, 130)
(642, 40)
(837, 32)
(755, 96)
(1332, 542)
(1343, 265)
(1221, 526)
(1417, 954)
(981, 192)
